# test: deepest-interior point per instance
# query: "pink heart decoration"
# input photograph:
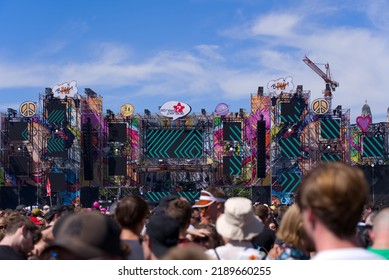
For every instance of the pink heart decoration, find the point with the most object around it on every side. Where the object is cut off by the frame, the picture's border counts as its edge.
(364, 122)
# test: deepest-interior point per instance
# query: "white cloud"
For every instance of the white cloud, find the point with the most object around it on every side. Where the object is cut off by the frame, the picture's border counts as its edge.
(210, 51)
(275, 24)
(377, 12)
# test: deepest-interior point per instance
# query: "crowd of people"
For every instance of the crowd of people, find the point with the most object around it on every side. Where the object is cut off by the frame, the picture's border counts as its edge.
(331, 219)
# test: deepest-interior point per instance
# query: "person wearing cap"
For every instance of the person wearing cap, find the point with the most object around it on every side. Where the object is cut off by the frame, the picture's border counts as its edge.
(162, 234)
(211, 205)
(238, 225)
(85, 236)
(37, 217)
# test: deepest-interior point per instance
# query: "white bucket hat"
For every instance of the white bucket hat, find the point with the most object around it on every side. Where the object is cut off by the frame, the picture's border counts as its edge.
(239, 221)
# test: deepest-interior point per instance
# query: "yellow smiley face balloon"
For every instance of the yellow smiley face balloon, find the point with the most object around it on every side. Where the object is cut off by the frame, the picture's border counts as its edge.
(127, 110)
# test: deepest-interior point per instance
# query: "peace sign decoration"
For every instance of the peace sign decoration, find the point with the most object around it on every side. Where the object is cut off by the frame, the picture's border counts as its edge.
(320, 106)
(28, 109)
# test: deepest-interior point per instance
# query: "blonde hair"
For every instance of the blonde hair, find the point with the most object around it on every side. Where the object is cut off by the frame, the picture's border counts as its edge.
(291, 230)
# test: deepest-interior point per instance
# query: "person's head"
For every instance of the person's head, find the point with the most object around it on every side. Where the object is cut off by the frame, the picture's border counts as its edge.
(162, 233)
(3, 223)
(262, 211)
(211, 205)
(85, 235)
(190, 252)
(333, 194)
(195, 218)
(292, 232)
(211, 240)
(54, 213)
(238, 222)
(163, 203)
(20, 233)
(180, 210)
(131, 213)
(380, 231)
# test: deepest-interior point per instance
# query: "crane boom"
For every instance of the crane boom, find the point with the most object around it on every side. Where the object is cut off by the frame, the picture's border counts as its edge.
(325, 76)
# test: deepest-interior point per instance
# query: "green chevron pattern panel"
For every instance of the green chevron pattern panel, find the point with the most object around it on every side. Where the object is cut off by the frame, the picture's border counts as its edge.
(232, 165)
(56, 147)
(290, 181)
(156, 196)
(373, 147)
(174, 143)
(232, 131)
(330, 128)
(290, 147)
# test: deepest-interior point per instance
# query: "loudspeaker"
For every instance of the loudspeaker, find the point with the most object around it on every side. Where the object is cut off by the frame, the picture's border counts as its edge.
(57, 182)
(28, 195)
(18, 165)
(261, 194)
(117, 132)
(9, 197)
(18, 131)
(117, 166)
(261, 149)
(378, 179)
(87, 145)
(88, 195)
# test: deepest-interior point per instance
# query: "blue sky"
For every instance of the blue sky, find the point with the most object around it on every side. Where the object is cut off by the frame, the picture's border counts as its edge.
(200, 52)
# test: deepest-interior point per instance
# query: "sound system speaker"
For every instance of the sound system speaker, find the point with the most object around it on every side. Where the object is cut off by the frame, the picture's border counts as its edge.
(87, 144)
(88, 195)
(28, 195)
(261, 149)
(19, 165)
(117, 132)
(261, 194)
(57, 182)
(117, 166)
(9, 197)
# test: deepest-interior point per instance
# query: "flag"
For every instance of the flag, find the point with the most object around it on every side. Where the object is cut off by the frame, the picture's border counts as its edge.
(48, 187)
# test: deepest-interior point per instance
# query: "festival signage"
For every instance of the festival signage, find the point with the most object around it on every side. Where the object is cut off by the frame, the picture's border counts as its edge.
(28, 109)
(320, 106)
(280, 85)
(65, 90)
(175, 109)
(127, 110)
(222, 109)
(363, 122)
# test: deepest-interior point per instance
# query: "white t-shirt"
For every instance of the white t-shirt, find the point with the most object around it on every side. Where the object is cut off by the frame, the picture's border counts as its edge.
(236, 251)
(347, 254)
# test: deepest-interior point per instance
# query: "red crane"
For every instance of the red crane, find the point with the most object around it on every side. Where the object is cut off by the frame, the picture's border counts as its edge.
(331, 85)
